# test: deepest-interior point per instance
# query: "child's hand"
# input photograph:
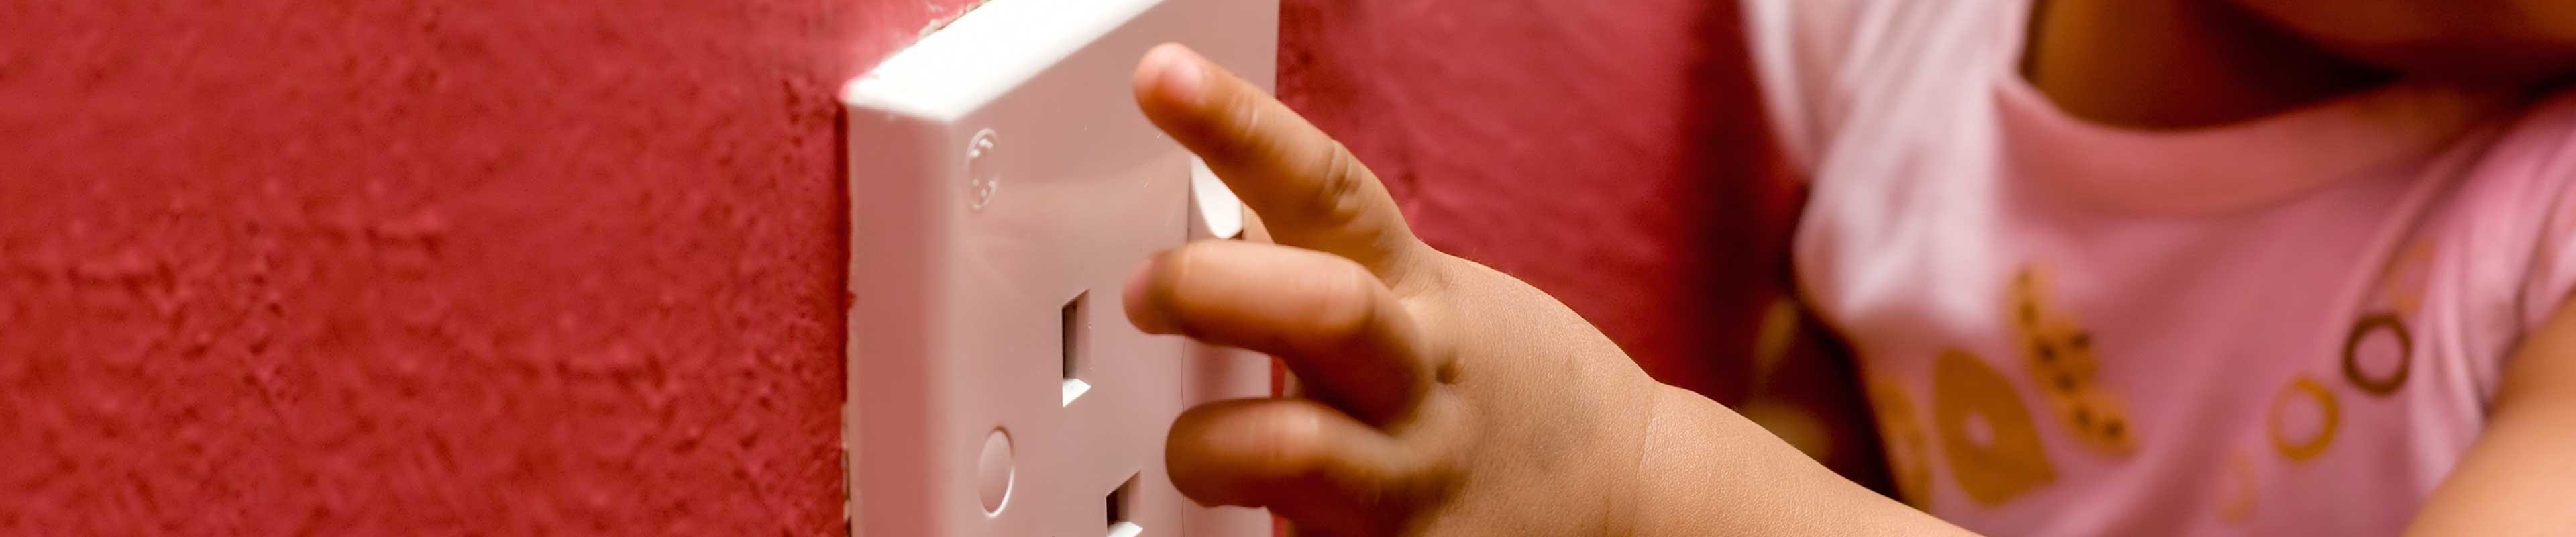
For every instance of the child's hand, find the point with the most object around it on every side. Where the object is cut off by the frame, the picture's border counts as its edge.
(1442, 397)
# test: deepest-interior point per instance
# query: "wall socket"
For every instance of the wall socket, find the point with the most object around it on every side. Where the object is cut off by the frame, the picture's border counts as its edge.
(1003, 186)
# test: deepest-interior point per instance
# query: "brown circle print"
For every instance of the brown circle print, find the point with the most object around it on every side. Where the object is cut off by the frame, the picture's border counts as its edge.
(2387, 382)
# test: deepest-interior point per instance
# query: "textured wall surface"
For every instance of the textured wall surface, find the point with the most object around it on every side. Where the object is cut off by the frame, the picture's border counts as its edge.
(1611, 153)
(272, 267)
(1608, 152)
(375, 267)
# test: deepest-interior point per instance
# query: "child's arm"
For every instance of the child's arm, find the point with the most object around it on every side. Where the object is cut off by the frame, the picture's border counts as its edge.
(2520, 478)
(1444, 398)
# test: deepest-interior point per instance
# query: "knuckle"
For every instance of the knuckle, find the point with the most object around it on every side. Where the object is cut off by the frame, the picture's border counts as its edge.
(1345, 312)
(1234, 127)
(1339, 186)
(1243, 109)
(1228, 130)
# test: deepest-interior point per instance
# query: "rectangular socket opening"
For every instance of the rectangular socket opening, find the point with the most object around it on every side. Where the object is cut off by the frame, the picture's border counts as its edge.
(1074, 326)
(1121, 522)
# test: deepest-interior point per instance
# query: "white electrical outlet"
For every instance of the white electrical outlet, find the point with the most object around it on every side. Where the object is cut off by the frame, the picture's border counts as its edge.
(1003, 187)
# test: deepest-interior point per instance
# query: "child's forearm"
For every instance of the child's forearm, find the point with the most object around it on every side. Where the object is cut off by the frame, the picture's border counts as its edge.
(1708, 471)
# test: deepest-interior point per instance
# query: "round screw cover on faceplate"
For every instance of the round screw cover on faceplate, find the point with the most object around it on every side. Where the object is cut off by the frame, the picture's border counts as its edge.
(993, 472)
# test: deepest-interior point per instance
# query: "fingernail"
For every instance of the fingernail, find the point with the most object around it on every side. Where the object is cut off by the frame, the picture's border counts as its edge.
(1182, 75)
(1133, 300)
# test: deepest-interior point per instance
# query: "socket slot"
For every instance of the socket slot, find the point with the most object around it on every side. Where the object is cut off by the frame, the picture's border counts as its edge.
(1074, 345)
(1121, 521)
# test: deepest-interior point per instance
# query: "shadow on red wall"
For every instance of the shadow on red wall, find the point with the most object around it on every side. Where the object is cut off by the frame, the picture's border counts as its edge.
(1610, 153)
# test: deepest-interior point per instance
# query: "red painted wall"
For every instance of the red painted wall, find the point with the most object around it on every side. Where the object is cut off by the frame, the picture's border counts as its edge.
(375, 267)
(271, 267)
(1611, 153)
(1608, 152)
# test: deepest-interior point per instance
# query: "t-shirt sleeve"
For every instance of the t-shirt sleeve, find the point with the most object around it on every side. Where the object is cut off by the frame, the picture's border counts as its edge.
(2515, 261)
(1798, 48)
(1821, 62)
(2551, 157)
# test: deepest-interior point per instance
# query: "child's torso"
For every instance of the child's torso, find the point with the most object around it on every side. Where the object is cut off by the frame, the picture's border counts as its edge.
(2286, 327)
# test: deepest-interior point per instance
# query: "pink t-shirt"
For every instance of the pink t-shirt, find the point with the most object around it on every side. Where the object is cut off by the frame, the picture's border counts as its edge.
(2290, 326)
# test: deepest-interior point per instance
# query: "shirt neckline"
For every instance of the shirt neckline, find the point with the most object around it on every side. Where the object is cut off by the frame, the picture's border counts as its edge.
(2233, 166)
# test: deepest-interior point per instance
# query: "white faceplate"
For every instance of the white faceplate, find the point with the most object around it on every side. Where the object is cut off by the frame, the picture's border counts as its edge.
(1003, 188)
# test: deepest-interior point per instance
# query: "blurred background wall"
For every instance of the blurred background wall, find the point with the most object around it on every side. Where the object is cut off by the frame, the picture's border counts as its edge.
(377, 267)
(1610, 153)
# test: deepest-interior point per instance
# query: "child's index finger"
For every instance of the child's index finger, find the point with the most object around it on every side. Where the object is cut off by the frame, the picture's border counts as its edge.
(1307, 187)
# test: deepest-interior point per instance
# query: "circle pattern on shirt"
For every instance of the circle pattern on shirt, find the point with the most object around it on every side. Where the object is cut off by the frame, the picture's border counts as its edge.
(2328, 412)
(1986, 431)
(2371, 337)
(2237, 492)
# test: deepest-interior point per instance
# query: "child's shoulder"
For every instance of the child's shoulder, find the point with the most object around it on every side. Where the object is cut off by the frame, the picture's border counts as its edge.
(2550, 120)
(1816, 61)
(2527, 158)
(2511, 217)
